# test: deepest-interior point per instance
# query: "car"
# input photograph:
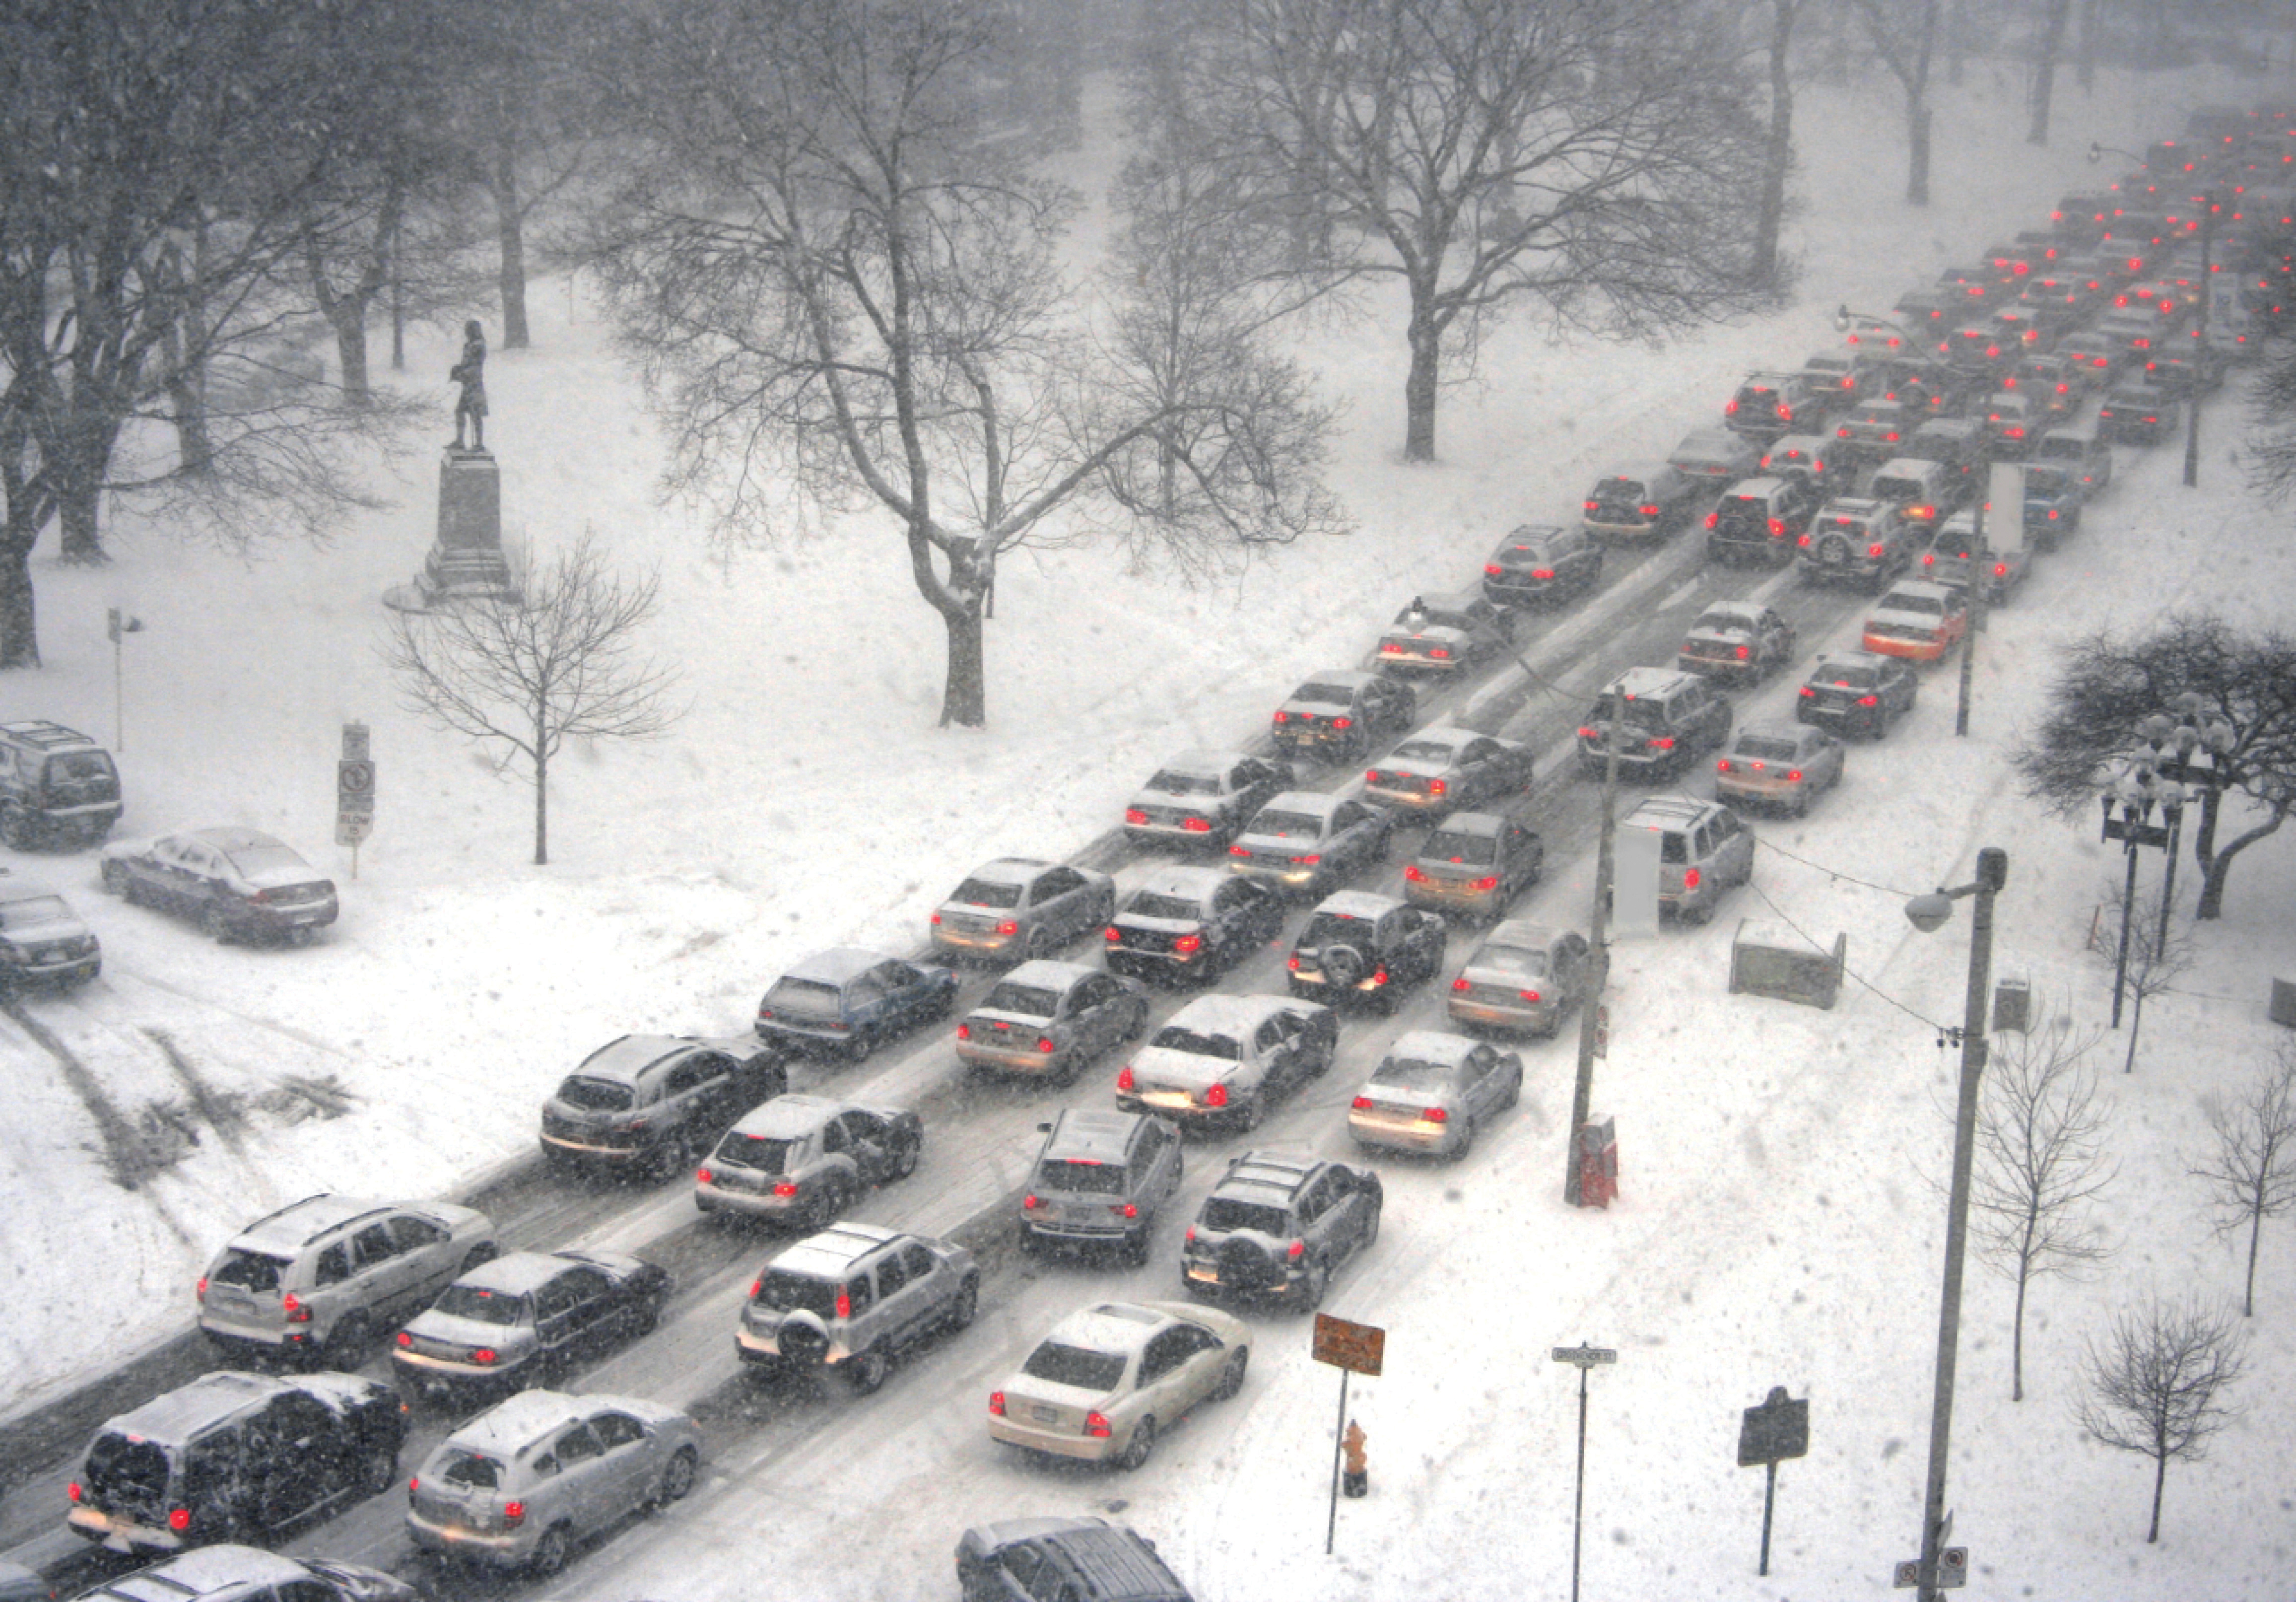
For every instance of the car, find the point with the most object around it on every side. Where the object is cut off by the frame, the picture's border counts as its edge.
(2098, 358)
(525, 1319)
(1103, 1385)
(1737, 642)
(1802, 457)
(235, 883)
(2187, 372)
(1857, 692)
(2055, 499)
(855, 1298)
(1019, 908)
(1918, 621)
(2077, 450)
(56, 783)
(801, 1160)
(1222, 1059)
(1438, 771)
(1279, 1225)
(325, 1276)
(1082, 1559)
(519, 1485)
(1760, 519)
(1541, 562)
(1191, 924)
(1981, 352)
(1769, 403)
(2136, 414)
(1100, 1179)
(844, 1003)
(1923, 493)
(2079, 218)
(1343, 711)
(1523, 978)
(1712, 457)
(2054, 385)
(233, 1453)
(1473, 864)
(1306, 841)
(1431, 1092)
(1955, 554)
(42, 939)
(1780, 766)
(1201, 798)
(1669, 717)
(1956, 445)
(1643, 500)
(650, 1105)
(1870, 433)
(1047, 1020)
(1357, 948)
(1861, 541)
(240, 1573)
(2012, 419)
(1704, 849)
(1445, 635)
(1835, 377)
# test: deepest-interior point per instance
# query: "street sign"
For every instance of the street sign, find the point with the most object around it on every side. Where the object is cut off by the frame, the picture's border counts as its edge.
(1775, 1432)
(1953, 1569)
(354, 742)
(354, 792)
(1356, 1347)
(352, 828)
(1585, 1357)
(355, 786)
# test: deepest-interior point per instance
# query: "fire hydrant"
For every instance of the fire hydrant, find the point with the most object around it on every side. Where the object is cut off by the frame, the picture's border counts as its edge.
(1355, 1478)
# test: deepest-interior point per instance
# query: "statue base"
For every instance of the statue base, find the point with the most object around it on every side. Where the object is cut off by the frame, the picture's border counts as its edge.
(465, 563)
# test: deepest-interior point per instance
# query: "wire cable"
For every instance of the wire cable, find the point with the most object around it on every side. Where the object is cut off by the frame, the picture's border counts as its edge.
(1943, 1032)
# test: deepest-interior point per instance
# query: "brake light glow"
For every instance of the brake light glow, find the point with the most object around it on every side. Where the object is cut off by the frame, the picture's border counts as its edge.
(1123, 1077)
(785, 1189)
(1869, 701)
(1188, 943)
(1111, 934)
(1876, 550)
(1008, 926)
(200, 1290)
(179, 1519)
(1239, 850)
(1543, 574)
(514, 1513)
(1296, 1249)
(1793, 776)
(1216, 1096)
(1309, 860)
(1415, 873)
(1663, 742)
(1343, 723)
(1777, 528)
(1649, 511)
(964, 1030)
(1460, 984)
(1690, 878)
(1803, 541)
(1030, 1204)
(1045, 1045)
(1438, 786)
(1712, 518)
(1129, 1209)
(1586, 733)
(1097, 1425)
(1492, 570)
(1195, 826)
(1135, 815)
(1362, 1104)
(1723, 766)
(1745, 652)
(297, 1313)
(1593, 506)
(1292, 963)
(1807, 694)
(484, 1356)
(404, 1339)
(1530, 996)
(1434, 1115)
(997, 1403)
(1487, 881)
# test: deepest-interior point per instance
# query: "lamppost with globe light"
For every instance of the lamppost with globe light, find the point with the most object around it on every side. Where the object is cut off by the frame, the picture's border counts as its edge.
(2136, 791)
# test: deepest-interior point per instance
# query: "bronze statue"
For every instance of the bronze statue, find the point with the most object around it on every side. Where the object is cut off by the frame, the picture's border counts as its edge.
(471, 373)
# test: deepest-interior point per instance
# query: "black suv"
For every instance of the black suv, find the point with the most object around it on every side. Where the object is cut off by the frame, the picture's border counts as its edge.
(1099, 1180)
(1278, 1224)
(655, 1104)
(234, 1453)
(1074, 1560)
(1191, 924)
(56, 784)
(1760, 519)
(1359, 946)
(1670, 717)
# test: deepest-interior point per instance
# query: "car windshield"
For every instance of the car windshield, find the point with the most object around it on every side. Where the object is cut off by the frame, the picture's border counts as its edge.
(764, 1154)
(1528, 961)
(987, 892)
(1148, 904)
(1407, 1070)
(1846, 676)
(249, 1270)
(473, 1470)
(1618, 492)
(812, 997)
(597, 1094)
(1764, 748)
(1091, 1179)
(1324, 694)
(480, 1306)
(1028, 1000)
(1169, 783)
(117, 1461)
(788, 1293)
(1327, 927)
(31, 911)
(1289, 824)
(1426, 751)
(253, 859)
(1175, 1037)
(2045, 481)
(1926, 606)
(1061, 1364)
(1226, 1215)
(1449, 845)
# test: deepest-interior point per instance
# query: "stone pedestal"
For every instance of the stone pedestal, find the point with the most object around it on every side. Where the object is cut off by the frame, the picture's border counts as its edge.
(465, 563)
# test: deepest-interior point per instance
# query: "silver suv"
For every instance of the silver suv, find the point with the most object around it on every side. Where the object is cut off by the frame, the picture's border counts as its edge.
(517, 1486)
(1099, 1180)
(1704, 849)
(854, 1297)
(328, 1276)
(231, 1573)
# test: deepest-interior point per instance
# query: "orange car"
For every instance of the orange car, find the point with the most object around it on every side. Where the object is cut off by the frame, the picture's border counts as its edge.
(1922, 622)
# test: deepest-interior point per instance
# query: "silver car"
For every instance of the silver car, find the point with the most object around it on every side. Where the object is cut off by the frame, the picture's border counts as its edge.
(1105, 1381)
(853, 1298)
(1522, 979)
(1781, 765)
(326, 1278)
(801, 1160)
(1018, 907)
(42, 939)
(1431, 1091)
(237, 1574)
(1048, 1020)
(519, 1485)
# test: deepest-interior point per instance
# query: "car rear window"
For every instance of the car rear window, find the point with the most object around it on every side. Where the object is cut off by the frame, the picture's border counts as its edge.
(788, 1293)
(1406, 1070)
(73, 765)
(1061, 1364)
(1446, 845)
(1721, 622)
(1289, 824)
(987, 892)
(1762, 748)
(249, 1270)
(1896, 490)
(1226, 1215)
(1168, 783)
(597, 1094)
(808, 997)
(480, 1306)
(32, 910)
(1528, 961)
(123, 1462)
(1148, 904)
(1174, 1036)
(252, 860)
(764, 1154)
(1620, 492)
(1325, 927)
(1847, 675)
(474, 1470)
(1425, 751)
(1925, 605)
(1087, 1177)
(1026, 1001)
(1324, 694)
(1646, 715)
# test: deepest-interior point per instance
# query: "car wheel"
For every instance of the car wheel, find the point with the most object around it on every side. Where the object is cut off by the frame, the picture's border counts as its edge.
(1232, 1373)
(1136, 1248)
(379, 1469)
(1698, 913)
(676, 1477)
(866, 1370)
(1254, 1110)
(1466, 1138)
(15, 828)
(215, 925)
(1143, 1443)
(648, 1317)
(1313, 1284)
(1037, 946)
(1514, 1086)
(549, 1552)
(1138, 1026)
(965, 1306)
(862, 1046)
(905, 1159)
(346, 1344)
(1370, 1230)
(116, 881)
(673, 1157)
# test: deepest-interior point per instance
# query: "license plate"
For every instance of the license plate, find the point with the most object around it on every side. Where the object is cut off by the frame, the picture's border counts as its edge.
(1166, 1098)
(1044, 1415)
(1205, 1276)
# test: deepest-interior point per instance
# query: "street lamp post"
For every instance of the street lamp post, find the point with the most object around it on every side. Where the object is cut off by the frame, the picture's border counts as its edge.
(2136, 791)
(1929, 913)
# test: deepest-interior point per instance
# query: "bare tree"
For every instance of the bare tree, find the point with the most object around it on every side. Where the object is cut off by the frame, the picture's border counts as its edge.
(528, 676)
(1905, 35)
(2252, 1174)
(2160, 954)
(2039, 1166)
(2155, 1382)
(1778, 153)
(2045, 70)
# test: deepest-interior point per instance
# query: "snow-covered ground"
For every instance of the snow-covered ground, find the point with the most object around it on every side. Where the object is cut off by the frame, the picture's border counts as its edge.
(1780, 1221)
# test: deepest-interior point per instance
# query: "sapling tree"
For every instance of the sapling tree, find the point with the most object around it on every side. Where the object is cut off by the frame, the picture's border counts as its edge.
(2156, 1380)
(2251, 1172)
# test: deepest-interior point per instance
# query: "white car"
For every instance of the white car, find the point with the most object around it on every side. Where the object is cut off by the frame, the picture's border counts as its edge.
(1106, 1380)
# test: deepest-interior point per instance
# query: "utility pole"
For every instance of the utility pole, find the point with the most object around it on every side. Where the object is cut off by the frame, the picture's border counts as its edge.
(1980, 578)
(1590, 1008)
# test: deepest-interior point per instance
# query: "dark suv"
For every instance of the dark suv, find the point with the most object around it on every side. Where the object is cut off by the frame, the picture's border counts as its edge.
(1669, 717)
(1760, 519)
(233, 1452)
(1099, 1180)
(1539, 561)
(1359, 946)
(56, 784)
(1770, 403)
(653, 1103)
(1278, 1224)
(1073, 1559)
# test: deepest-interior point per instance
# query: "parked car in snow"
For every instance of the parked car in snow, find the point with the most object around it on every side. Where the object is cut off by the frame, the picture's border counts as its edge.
(56, 784)
(235, 883)
(42, 939)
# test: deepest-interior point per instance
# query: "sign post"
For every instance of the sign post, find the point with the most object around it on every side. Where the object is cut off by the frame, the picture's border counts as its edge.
(1582, 1357)
(1351, 1349)
(115, 625)
(354, 792)
(1777, 1430)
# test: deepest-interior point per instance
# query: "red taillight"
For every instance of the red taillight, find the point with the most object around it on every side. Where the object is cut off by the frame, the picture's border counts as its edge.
(1292, 963)
(1438, 786)
(997, 1403)
(1195, 826)
(702, 1176)
(1663, 743)
(1296, 1249)
(297, 1313)
(514, 1513)
(1390, 648)
(1372, 777)
(1649, 511)
(1428, 1115)
(1030, 1204)
(1690, 878)
(1807, 694)
(1123, 1077)
(1585, 733)
(936, 918)
(844, 1303)
(1923, 513)
(1046, 1046)
(1460, 984)
(1379, 976)
(755, 1286)
(1543, 574)
(785, 1189)
(1487, 881)
(1111, 934)
(1415, 873)
(1309, 860)
(1530, 996)
(1793, 776)
(1876, 550)
(2001, 569)
(1492, 570)
(484, 1356)
(1869, 701)
(1216, 1096)
(1343, 723)
(2014, 431)
(179, 1519)
(1712, 518)
(1097, 1425)
(1440, 653)
(1135, 815)
(1283, 717)
(1891, 437)
(1593, 506)
(1362, 1104)
(1129, 1209)
(200, 1289)
(1008, 926)
(1723, 766)
(1785, 413)
(404, 1339)
(1803, 541)
(1777, 528)
(1745, 652)
(1188, 943)
(1239, 850)
(73, 1490)
(964, 1030)
(1729, 408)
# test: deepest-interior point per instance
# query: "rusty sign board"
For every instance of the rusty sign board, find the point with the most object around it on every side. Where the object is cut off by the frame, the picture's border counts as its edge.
(1356, 1347)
